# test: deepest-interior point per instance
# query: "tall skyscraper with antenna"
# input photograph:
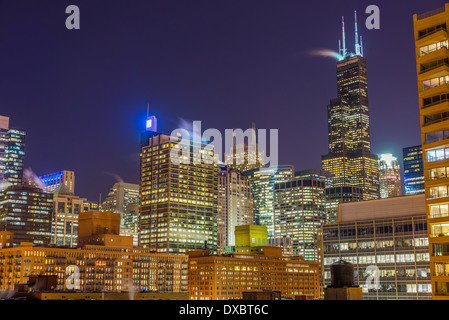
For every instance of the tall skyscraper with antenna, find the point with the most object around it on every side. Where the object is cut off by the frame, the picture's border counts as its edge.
(350, 160)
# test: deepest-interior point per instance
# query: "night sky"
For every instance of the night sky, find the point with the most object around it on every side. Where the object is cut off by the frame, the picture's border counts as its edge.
(81, 95)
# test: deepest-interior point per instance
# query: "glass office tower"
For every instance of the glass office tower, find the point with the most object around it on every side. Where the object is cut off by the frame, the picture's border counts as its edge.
(412, 162)
(262, 186)
(12, 154)
(299, 212)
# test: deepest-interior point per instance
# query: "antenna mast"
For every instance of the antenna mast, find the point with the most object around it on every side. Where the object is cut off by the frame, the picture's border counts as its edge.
(358, 47)
(343, 49)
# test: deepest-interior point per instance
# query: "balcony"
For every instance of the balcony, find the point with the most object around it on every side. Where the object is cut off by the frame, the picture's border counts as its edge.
(433, 55)
(439, 33)
(439, 68)
(440, 101)
(437, 118)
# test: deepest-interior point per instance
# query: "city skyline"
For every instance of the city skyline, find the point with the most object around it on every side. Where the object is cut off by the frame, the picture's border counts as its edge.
(254, 61)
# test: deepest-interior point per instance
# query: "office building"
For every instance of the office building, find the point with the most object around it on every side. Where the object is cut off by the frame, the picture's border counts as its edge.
(228, 276)
(389, 176)
(54, 180)
(432, 65)
(120, 196)
(108, 264)
(26, 211)
(412, 163)
(385, 238)
(299, 212)
(242, 155)
(350, 160)
(12, 154)
(66, 209)
(178, 199)
(130, 223)
(318, 174)
(262, 187)
(235, 205)
(337, 195)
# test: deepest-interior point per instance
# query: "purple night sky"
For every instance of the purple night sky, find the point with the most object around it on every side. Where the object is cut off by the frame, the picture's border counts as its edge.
(82, 94)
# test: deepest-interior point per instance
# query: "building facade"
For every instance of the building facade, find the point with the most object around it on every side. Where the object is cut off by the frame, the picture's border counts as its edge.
(262, 186)
(235, 205)
(120, 196)
(178, 199)
(100, 268)
(299, 212)
(66, 209)
(244, 156)
(432, 65)
(54, 180)
(389, 176)
(412, 163)
(12, 154)
(226, 277)
(26, 211)
(385, 238)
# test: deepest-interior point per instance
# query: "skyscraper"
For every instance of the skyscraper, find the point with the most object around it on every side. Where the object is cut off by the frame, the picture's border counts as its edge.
(350, 160)
(235, 205)
(66, 209)
(245, 156)
(26, 211)
(12, 154)
(412, 162)
(299, 212)
(262, 187)
(119, 197)
(389, 176)
(432, 64)
(178, 201)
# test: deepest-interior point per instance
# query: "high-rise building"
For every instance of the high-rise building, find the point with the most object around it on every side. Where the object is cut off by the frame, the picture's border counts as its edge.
(262, 190)
(178, 199)
(53, 180)
(389, 176)
(432, 64)
(412, 163)
(66, 209)
(26, 211)
(12, 154)
(350, 160)
(235, 205)
(245, 156)
(337, 195)
(130, 222)
(386, 240)
(299, 212)
(120, 196)
(318, 174)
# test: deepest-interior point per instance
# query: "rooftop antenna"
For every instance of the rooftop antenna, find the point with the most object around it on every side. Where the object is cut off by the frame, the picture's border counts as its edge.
(358, 47)
(343, 49)
(361, 46)
(148, 110)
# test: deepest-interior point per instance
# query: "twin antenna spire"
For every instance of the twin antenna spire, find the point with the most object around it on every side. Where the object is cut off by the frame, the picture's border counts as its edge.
(358, 46)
